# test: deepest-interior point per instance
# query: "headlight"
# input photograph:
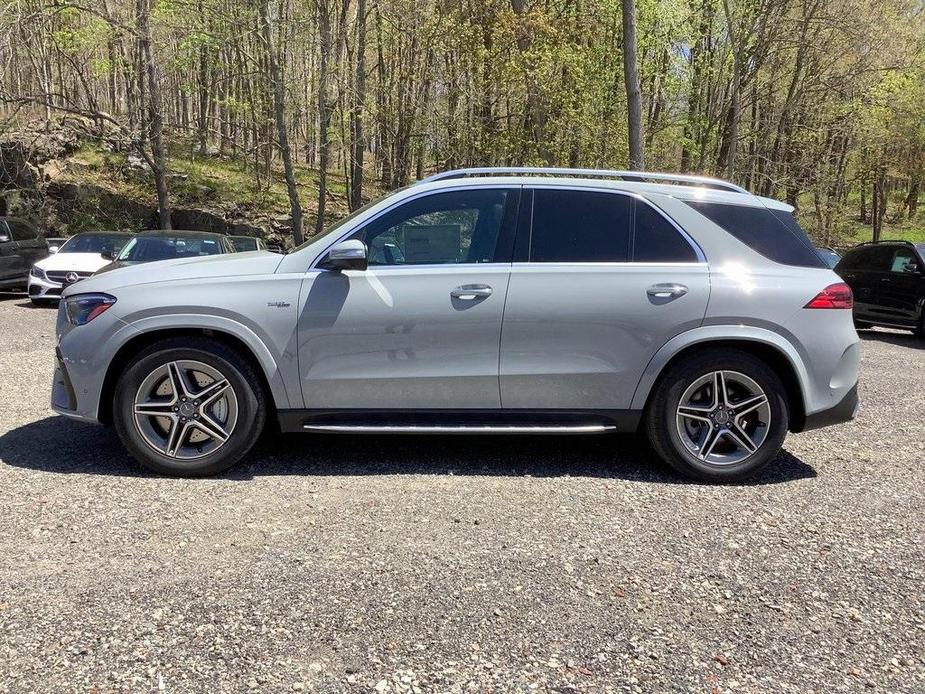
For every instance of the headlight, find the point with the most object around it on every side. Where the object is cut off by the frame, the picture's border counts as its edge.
(83, 308)
(38, 272)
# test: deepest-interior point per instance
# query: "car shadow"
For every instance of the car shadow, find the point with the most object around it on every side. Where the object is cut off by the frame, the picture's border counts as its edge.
(893, 337)
(60, 445)
(6, 295)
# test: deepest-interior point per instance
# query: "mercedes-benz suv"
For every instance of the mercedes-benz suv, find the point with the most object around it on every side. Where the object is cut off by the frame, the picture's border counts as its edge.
(481, 301)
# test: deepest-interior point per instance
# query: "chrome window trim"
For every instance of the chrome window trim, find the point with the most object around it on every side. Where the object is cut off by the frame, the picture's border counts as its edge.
(420, 194)
(698, 251)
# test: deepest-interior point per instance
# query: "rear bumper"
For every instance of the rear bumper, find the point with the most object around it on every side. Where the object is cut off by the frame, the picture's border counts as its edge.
(844, 411)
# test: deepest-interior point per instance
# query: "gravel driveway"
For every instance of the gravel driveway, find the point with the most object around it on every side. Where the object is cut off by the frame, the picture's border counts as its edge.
(460, 564)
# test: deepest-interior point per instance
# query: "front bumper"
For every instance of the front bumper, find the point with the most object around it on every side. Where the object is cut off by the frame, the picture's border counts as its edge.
(44, 289)
(844, 411)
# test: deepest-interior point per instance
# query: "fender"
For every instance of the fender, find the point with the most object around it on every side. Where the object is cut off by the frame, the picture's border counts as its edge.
(717, 333)
(224, 324)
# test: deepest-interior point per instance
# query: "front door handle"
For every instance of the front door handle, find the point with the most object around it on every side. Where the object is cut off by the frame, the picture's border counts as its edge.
(471, 292)
(666, 291)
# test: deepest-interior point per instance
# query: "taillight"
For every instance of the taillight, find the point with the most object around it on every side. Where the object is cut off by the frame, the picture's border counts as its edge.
(834, 296)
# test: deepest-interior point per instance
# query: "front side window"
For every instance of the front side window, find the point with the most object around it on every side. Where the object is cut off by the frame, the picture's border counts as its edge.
(444, 228)
(21, 231)
(575, 226)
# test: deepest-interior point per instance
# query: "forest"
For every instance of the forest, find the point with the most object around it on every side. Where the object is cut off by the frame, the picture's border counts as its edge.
(331, 102)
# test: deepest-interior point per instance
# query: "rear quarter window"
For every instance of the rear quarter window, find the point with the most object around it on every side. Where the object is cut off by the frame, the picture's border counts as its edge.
(775, 234)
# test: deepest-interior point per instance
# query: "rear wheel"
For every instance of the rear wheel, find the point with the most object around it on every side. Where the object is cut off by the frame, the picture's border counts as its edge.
(189, 407)
(719, 416)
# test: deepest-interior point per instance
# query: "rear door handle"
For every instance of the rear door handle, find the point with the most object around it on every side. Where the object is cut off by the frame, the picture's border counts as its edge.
(471, 292)
(666, 291)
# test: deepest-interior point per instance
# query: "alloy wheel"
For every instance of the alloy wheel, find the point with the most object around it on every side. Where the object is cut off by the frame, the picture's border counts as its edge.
(185, 409)
(723, 417)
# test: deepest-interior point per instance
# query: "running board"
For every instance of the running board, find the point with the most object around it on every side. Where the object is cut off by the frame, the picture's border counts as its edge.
(434, 421)
(462, 429)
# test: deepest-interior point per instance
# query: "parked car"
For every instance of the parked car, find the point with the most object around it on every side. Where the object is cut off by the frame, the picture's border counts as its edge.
(78, 258)
(20, 247)
(888, 281)
(481, 301)
(150, 246)
(54, 243)
(275, 248)
(829, 255)
(243, 244)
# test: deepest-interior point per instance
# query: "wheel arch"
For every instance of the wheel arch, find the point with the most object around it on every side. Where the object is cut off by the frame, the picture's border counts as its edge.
(782, 358)
(275, 394)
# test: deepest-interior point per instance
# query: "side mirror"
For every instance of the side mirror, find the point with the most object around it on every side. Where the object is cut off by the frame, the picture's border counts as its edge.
(346, 255)
(52, 249)
(108, 255)
(4, 238)
(911, 267)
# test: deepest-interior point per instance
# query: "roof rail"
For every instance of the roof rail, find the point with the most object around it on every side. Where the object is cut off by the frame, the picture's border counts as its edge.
(869, 243)
(704, 181)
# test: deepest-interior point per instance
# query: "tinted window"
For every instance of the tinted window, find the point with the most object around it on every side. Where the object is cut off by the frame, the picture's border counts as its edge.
(445, 228)
(244, 243)
(21, 231)
(573, 226)
(655, 240)
(144, 249)
(94, 243)
(902, 257)
(775, 234)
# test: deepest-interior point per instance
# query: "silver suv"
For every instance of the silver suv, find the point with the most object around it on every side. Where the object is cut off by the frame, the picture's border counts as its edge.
(481, 301)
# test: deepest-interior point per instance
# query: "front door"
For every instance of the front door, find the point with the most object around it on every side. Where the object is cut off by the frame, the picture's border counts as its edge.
(607, 281)
(421, 327)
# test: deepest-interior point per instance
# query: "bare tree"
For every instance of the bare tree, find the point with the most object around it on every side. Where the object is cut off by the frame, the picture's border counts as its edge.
(633, 94)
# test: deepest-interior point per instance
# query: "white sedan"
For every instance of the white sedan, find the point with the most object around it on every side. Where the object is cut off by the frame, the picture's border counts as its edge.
(78, 258)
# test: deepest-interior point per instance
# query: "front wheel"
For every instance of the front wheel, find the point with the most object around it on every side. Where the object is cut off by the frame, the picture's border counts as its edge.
(719, 416)
(188, 407)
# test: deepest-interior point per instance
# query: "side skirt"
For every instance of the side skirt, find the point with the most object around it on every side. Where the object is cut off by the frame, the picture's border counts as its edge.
(459, 421)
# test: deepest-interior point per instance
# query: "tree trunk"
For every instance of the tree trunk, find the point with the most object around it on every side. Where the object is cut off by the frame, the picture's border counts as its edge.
(155, 119)
(633, 95)
(356, 115)
(324, 109)
(279, 115)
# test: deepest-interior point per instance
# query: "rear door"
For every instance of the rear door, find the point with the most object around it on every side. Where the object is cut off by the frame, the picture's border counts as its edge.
(902, 285)
(600, 283)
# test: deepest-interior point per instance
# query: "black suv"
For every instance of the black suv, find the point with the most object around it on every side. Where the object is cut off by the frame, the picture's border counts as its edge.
(20, 247)
(888, 281)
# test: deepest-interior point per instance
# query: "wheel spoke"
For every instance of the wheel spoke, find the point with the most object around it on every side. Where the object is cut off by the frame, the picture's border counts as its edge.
(710, 438)
(207, 425)
(721, 395)
(155, 409)
(698, 414)
(211, 393)
(178, 380)
(750, 404)
(741, 437)
(175, 436)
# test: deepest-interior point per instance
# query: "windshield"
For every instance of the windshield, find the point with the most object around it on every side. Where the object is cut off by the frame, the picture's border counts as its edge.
(144, 249)
(346, 220)
(244, 243)
(94, 243)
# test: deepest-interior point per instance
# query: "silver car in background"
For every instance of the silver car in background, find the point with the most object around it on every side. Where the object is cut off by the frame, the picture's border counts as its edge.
(481, 301)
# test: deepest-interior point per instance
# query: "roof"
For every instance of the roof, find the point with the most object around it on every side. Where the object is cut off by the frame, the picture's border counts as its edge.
(680, 186)
(182, 232)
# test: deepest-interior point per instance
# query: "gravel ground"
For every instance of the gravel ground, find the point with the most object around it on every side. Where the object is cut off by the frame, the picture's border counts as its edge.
(460, 564)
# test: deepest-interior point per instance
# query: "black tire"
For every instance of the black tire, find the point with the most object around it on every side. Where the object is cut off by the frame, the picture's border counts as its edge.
(663, 432)
(250, 403)
(920, 331)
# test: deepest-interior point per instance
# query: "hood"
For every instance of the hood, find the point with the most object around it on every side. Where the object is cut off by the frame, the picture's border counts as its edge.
(63, 262)
(119, 274)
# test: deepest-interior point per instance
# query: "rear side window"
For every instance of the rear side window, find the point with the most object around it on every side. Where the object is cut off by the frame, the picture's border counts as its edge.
(655, 240)
(21, 231)
(575, 226)
(775, 234)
